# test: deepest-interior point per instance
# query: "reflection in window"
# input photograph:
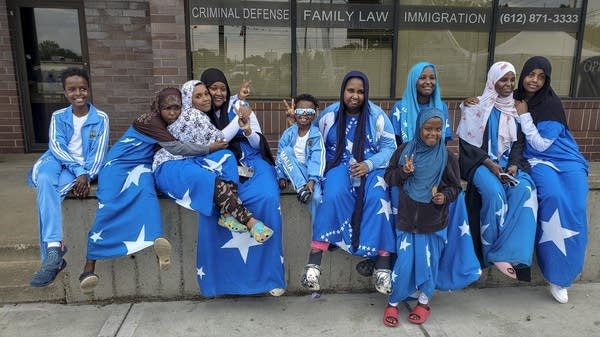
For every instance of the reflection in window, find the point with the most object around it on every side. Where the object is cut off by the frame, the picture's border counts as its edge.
(460, 56)
(588, 71)
(239, 51)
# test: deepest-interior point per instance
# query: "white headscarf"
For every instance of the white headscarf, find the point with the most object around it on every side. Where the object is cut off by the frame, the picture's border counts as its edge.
(474, 118)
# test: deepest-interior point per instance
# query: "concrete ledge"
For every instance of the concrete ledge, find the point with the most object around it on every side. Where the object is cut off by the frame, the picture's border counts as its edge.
(138, 275)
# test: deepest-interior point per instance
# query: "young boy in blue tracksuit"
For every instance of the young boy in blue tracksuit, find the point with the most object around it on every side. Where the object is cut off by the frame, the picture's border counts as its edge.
(79, 137)
(301, 153)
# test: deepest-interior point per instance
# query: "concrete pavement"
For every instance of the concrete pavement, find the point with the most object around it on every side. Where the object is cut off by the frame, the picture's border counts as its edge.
(506, 311)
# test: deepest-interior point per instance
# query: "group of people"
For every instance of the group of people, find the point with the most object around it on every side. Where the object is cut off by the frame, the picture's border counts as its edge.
(383, 188)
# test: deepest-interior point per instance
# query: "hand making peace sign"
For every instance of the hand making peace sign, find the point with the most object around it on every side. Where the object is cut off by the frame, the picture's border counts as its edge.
(289, 112)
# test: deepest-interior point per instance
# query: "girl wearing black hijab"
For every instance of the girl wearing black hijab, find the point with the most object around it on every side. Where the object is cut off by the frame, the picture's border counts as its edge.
(560, 175)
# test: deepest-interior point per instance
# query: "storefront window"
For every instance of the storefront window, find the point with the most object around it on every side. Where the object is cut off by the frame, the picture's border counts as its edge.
(247, 41)
(550, 31)
(326, 51)
(451, 34)
(588, 70)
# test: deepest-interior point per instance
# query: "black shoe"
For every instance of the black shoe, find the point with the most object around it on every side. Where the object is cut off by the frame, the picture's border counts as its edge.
(366, 267)
(523, 272)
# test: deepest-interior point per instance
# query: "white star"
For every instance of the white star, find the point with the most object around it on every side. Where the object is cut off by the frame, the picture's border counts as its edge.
(96, 236)
(532, 202)
(216, 166)
(404, 244)
(478, 271)
(200, 272)
(139, 243)
(127, 140)
(394, 210)
(137, 144)
(343, 246)
(241, 242)
(464, 229)
(100, 205)
(185, 201)
(535, 161)
(349, 145)
(133, 176)
(386, 208)
(394, 276)
(553, 231)
(502, 211)
(428, 255)
(381, 183)
(281, 258)
(108, 163)
(483, 229)
(397, 114)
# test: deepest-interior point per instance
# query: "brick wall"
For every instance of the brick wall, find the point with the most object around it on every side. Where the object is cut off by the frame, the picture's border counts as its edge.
(121, 59)
(11, 120)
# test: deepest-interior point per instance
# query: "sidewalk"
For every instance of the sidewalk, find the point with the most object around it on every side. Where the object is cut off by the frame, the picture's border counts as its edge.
(508, 311)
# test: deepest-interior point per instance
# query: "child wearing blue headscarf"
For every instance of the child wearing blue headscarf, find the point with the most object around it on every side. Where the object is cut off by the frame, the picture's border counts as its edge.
(428, 180)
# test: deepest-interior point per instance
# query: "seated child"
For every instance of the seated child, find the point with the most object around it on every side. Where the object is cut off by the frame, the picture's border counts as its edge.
(78, 143)
(301, 159)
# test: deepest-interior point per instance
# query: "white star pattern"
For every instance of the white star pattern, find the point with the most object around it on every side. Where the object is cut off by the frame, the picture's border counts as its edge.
(397, 114)
(200, 272)
(139, 243)
(137, 144)
(343, 246)
(100, 205)
(133, 176)
(185, 201)
(553, 231)
(349, 145)
(532, 202)
(281, 258)
(404, 244)
(108, 163)
(428, 255)
(536, 161)
(483, 229)
(381, 183)
(127, 140)
(394, 276)
(502, 211)
(216, 166)
(386, 208)
(464, 229)
(241, 242)
(96, 236)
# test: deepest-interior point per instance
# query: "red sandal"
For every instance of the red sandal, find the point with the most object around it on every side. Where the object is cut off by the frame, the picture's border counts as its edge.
(419, 314)
(390, 316)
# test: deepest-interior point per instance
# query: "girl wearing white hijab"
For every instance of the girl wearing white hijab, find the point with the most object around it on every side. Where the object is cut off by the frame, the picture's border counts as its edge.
(501, 195)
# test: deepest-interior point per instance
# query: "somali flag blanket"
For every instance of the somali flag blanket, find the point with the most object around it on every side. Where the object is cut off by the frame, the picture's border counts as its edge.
(128, 217)
(231, 263)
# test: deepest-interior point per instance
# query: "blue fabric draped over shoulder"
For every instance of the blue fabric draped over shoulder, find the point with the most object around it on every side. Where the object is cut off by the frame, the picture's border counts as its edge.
(231, 263)
(332, 222)
(560, 174)
(128, 217)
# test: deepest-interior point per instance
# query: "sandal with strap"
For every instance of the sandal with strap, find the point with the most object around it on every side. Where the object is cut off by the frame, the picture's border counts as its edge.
(390, 316)
(260, 232)
(232, 224)
(419, 314)
(506, 269)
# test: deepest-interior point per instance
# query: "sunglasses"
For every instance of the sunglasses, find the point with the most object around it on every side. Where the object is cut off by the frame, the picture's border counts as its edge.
(304, 112)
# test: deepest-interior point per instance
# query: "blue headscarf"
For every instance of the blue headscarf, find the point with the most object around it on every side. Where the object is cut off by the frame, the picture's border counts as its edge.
(429, 161)
(410, 104)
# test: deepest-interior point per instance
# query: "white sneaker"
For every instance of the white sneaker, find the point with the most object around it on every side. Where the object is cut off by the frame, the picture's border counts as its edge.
(276, 292)
(310, 277)
(559, 293)
(383, 281)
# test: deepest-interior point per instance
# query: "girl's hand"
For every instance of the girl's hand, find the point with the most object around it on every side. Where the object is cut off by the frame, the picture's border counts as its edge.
(358, 170)
(493, 167)
(438, 198)
(244, 90)
(409, 166)
(217, 145)
(289, 112)
(471, 101)
(82, 186)
(521, 107)
(512, 170)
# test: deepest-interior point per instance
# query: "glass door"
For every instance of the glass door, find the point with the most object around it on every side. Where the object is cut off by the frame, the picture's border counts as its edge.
(49, 39)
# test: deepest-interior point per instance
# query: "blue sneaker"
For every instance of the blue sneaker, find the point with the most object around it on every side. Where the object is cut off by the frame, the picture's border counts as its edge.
(51, 266)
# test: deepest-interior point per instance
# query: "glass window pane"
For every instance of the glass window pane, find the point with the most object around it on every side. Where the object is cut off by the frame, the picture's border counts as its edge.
(588, 71)
(459, 55)
(258, 53)
(326, 54)
(558, 46)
